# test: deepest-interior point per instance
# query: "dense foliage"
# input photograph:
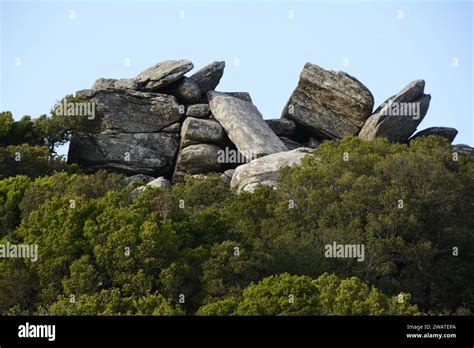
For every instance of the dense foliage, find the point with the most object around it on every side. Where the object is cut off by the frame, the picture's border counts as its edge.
(28, 146)
(202, 249)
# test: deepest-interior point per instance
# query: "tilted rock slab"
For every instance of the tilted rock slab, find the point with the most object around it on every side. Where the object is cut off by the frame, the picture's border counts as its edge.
(162, 74)
(329, 104)
(445, 132)
(244, 126)
(137, 153)
(129, 111)
(208, 77)
(399, 116)
(264, 170)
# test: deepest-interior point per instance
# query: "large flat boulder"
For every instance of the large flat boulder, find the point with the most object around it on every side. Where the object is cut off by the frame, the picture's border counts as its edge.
(162, 74)
(445, 132)
(244, 125)
(195, 130)
(329, 104)
(138, 153)
(264, 170)
(127, 111)
(208, 77)
(399, 116)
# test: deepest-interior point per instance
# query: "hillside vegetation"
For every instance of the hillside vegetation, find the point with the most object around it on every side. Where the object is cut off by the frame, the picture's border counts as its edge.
(200, 248)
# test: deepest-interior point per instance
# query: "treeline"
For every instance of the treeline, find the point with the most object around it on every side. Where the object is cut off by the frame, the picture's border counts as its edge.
(201, 249)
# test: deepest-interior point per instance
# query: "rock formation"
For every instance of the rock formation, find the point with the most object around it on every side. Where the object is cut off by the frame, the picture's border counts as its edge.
(445, 132)
(397, 118)
(329, 104)
(165, 124)
(244, 125)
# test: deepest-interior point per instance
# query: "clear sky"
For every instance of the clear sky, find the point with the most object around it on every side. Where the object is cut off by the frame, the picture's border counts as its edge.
(53, 48)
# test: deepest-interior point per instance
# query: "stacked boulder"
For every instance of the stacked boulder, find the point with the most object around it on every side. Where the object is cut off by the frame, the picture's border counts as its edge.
(165, 124)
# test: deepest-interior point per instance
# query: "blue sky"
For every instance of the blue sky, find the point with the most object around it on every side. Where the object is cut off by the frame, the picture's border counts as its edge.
(53, 48)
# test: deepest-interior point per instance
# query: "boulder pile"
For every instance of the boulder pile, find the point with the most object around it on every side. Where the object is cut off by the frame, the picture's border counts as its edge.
(165, 124)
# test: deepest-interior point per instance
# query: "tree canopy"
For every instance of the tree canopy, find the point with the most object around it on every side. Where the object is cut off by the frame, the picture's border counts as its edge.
(200, 248)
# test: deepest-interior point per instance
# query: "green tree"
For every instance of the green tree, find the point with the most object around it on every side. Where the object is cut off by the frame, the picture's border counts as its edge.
(284, 294)
(18, 287)
(394, 199)
(11, 194)
(6, 124)
(32, 161)
(280, 295)
(113, 302)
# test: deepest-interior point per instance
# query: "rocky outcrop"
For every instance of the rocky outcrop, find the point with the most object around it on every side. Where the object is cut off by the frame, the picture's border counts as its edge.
(244, 125)
(164, 123)
(143, 118)
(329, 104)
(399, 116)
(445, 132)
(264, 170)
